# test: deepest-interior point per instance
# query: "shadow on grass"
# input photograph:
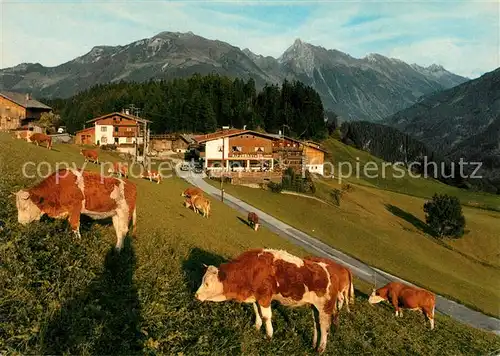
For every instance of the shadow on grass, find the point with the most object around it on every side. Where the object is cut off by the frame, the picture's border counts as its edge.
(193, 266)
(412, 219)
(244, 221)
(105, 318)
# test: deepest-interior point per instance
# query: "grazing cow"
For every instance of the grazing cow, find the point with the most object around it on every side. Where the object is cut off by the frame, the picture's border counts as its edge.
(346, 286)
(119, 168)
(152, 175)
(259, 276)
(408, 297)
(253, 220)
(67, 193)
(90, 155)
(191, 192)
(199, 203)
(39, 138)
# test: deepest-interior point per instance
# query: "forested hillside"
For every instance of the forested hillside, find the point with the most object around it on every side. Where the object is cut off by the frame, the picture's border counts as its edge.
(203, 104)
(393, 145)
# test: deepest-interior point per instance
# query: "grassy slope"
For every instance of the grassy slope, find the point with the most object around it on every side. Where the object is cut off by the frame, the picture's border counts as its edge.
(60, 295)
(386, 229)
(420, 187)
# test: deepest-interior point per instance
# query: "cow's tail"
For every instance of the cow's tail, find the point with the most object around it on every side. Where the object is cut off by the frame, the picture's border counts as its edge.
(351, 289)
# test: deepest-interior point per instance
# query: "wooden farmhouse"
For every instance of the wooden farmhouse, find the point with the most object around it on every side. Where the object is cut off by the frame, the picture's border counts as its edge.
(117, 128)
(256, 156)
(19, 111)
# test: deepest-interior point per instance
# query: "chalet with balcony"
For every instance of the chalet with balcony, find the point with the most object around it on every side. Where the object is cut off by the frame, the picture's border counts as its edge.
(236, 150)
(117, 128)
(19, 110)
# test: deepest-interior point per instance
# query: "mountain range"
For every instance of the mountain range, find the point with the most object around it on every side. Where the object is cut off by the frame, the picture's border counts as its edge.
(369, 88)
(461, 122)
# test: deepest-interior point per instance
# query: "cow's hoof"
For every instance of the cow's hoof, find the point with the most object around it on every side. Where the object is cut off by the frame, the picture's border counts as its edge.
(321, 350)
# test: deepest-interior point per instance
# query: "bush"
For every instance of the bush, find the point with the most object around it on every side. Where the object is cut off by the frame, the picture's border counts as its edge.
(275, 187)
(444, 216)
(347, 188)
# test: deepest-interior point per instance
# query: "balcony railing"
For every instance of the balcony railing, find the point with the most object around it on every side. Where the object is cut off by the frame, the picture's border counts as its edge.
(126, 134)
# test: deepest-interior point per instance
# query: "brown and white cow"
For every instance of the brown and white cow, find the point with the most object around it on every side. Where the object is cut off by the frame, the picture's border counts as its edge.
(346, 286)
(253, 220)
(199, 203)
(152, 175)
(66, 194)
(408, 297)
(119, 168)
(90, 155)
(260, 276)
(191, 192)
(39, 138)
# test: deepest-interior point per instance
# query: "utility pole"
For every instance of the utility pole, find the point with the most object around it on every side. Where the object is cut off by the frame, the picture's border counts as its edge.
(222, 172)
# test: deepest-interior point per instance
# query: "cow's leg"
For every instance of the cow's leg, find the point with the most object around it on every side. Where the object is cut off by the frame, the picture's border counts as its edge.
(325, 321)
(120, 222)
(400, 313)
(258, 319)
(266, 316)
(340, 300)
(429, 314)
(74, 221)
(315, 327)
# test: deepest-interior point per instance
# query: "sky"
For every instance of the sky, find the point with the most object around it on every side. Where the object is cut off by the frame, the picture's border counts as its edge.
(462, 36)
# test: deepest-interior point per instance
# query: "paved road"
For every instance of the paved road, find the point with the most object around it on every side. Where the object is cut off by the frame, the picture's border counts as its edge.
(360, 269)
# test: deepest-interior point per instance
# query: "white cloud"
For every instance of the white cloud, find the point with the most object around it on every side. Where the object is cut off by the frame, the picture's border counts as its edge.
(461, 36)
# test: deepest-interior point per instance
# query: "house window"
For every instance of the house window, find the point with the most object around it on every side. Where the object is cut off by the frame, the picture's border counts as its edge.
(129, 129)
(219, 149)
(104, 139)
(104, 128)
(116, 128)
(237, 148)
(259, 149)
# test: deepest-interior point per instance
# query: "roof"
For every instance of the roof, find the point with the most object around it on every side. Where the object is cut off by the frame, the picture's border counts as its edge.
(86, 129)
(126, 116)
(187, 137)
(218, 134)
(20, 99)
(314, 145)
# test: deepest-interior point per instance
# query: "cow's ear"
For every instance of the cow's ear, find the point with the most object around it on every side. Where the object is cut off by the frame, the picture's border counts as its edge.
(374, 291)
(24, 195)
(205, 266)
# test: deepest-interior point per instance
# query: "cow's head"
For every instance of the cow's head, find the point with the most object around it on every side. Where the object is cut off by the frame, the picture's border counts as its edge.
(211, 288)
(27, 211)
(375, 297)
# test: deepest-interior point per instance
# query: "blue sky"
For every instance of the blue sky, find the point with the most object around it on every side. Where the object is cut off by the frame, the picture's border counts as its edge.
(463, 36)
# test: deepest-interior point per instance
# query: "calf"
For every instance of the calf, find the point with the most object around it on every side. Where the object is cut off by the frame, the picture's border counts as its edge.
(90, 155)
(152, 175)
(67, 193)
(119, 168)
(39, 138)
(404, 296)
(346, 286)
(199, 203)
(259, 276)
(191, 192)
(253, 220)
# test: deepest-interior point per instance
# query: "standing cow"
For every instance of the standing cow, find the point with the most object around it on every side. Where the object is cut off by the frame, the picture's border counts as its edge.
(152, 175)
(68, 193)
(39, 138)
(119, 168)
(199, 203)
(253, 220)
(344, 274)
(90, 155)
(259, 276)
(404, 296)
(191, 192)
